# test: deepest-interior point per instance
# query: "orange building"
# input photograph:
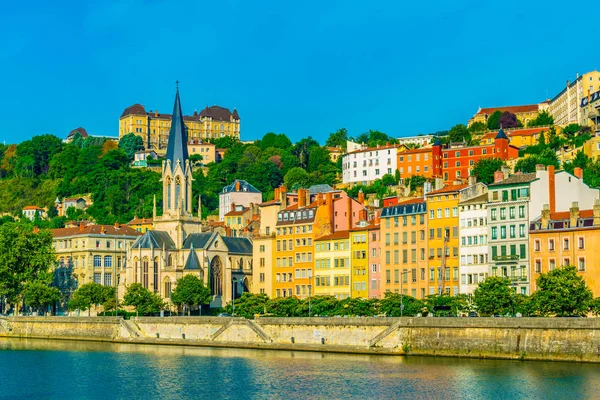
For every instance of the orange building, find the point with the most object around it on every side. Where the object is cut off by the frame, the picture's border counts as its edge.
(567, 238)
(450, 163)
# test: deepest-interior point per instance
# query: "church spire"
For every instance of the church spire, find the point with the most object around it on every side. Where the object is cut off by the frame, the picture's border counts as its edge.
(177, 146)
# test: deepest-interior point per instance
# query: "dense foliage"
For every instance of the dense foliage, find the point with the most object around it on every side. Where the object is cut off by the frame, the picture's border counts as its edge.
(191, 292)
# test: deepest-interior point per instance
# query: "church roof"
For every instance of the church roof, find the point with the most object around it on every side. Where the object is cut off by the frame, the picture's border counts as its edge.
(238, 245)
(192, 261)
(154, 239)
(320, 188)
(501, 134)
(177, 146)
(198, 240)
(244, 187)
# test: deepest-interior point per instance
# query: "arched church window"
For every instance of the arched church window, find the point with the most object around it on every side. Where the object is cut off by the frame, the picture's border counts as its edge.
(168, 193)
(177, 190)
(156, 288)
(145, 273)
(167, 287)
(171, 260)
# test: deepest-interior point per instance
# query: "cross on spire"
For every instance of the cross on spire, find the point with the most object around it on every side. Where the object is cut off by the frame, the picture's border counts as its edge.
(177, 85)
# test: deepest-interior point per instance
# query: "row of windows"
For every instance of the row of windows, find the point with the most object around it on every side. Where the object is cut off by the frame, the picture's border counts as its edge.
(417, 157)
(413, 275)
(290, 230)
(474, 259)
(337, 263)
(338, 280)
(413, 237)
(417, 169)
(469, 222)
(537, 244)
(292, 216)
(337, 245)
(511, 213)
(552, 264)
(70, 243)
(510, 248)
(377, 172)
(512, 230)
(107, 279)
(472, 279)
(475, 240)
(446, 213)
(396, 253)
(413, 220)
(515, 194)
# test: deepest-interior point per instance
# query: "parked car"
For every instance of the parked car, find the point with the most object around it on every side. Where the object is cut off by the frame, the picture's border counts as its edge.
(473, 314)
(224, 314)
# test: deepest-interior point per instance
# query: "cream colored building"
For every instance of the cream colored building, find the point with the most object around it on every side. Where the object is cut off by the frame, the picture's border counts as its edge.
(565, 107)
(94, 253)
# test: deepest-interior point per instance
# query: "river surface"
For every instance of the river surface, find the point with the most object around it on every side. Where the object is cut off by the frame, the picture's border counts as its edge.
(64, 370)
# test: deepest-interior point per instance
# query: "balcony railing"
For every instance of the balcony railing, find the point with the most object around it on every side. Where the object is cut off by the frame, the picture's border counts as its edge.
(508, 257)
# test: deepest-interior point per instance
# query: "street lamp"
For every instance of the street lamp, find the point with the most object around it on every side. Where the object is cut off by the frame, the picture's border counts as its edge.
(233, 283)
(309, 308)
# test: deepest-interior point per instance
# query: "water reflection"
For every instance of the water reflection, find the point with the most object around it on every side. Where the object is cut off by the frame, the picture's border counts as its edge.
(92, 370)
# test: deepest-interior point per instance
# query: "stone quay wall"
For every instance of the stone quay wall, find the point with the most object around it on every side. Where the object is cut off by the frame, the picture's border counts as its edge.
(568, 339)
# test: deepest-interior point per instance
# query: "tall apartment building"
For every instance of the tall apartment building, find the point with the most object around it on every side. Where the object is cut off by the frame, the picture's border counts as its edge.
(404, 248)
(333, 268)
(516, 200)
(375, 287)
(153, 127)
(443, 226)
(359, 242)
(473, 237)
(565, 107)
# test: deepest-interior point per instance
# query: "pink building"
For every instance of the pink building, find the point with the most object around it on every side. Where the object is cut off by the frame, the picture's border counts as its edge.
(375, 291)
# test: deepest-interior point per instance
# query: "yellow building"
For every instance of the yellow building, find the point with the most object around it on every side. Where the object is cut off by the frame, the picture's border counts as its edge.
(332, 266)
(443, 225)
(404, 248)
(524, 113)
(565, 107)
(211, 123)
(567, 238)
(359, 241)
(96, 253)
(208, 151)
(591, 148)
(142, 225)
(237, 219)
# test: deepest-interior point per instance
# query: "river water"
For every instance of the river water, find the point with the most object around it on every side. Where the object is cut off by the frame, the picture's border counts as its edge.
(45, 369)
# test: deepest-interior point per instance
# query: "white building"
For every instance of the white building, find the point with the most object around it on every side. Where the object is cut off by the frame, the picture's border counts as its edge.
(420, 140)
(31, 211)
(473, 233)
(363, 165)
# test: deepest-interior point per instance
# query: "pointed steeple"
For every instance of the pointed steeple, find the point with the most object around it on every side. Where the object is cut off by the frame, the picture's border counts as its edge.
(177, 146)
(192, 261)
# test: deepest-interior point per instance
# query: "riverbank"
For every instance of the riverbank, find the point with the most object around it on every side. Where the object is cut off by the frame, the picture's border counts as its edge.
(550, 339)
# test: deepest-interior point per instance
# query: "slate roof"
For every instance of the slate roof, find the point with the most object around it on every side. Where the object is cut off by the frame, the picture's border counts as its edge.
(218, 113)
(192, 262)
(244, 187)
(321, 188)
(448, 189)
(198, 240)
(154, 239)
(79, 130)
(517, 178)
(501, 134)
(241, 246)
(408, 208)
(483, 198)
(177, 146)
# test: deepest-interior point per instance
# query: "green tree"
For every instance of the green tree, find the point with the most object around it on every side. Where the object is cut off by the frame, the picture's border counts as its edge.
(284, 307)
(528, 164)
(477, 127)
(485, 168)
(541, 140)
(561, 292)
(131, 144)
(543, 119)
(25, 257)
(323, 306)
(278, 141)
(195, 159)
(302, 149)
(90, 294)
(509, 120)
(390, 305)
(38, 295)
(357, 307)
(388, 180)
(494, 296)
(40, 149)
(337, 139)
(248, 305)
(459, 133)
(493, 121)
(143, 300)
(318, 158)
(295, 178)
(191, 292)
(595, 306)
(571, 130)
(415, 181)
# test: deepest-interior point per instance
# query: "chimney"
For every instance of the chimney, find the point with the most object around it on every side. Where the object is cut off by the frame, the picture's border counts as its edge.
(232, 207)
(276, 193)
(363, 214)
(81, 226)
(349, 215)
(505, 170)
(361, 197)
(156, 113)
(552, 188)
(545, 216)
(376, 219)
(301, 198)
(307, 195)
(117, 225)
(320, 201)
(36, 230)
(283, 196)
(578, 172)
(439, 183)
(597, 212)
(457, 182)
(472, 180)
(574, 214)
(237, 186)
(329, 204)
(498, 176)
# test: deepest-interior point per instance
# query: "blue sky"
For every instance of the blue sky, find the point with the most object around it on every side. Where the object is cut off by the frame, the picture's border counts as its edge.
(300, 68)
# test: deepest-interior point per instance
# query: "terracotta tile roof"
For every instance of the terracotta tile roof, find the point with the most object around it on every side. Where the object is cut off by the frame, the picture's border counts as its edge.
(270, 203)
(567, 214)
(108, 230)
(512, 109)
(385, 147)
(237, 212)
(335, 235)
(516, 132)
(419, 150)
(33, 208)
(140, 221)
(79, 130)
(448, 189)
(411, 201)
